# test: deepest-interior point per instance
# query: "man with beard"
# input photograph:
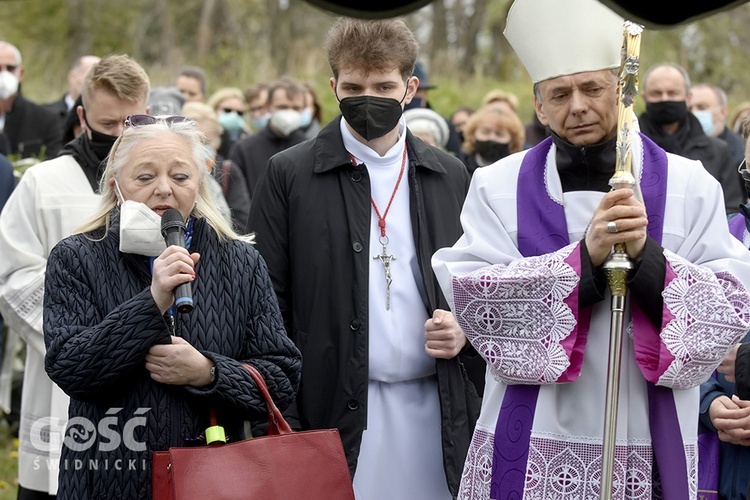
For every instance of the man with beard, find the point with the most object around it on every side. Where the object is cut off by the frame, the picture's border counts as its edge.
(52, 198)
(669, 124)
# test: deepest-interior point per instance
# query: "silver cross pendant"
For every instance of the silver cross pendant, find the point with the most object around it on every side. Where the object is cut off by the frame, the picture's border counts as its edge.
(386, 260)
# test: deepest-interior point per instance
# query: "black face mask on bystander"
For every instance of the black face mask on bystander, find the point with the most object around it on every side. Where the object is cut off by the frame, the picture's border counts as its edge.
(666, 111)
(371, 116)
(492, 151)
(101, 143)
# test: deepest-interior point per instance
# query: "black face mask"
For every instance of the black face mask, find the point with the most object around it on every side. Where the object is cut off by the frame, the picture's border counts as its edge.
(100, 143)
(371, 116)
(491, 151)
(666, 111)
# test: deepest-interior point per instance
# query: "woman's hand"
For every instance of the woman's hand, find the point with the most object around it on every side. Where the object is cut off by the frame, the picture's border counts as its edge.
(173, 267)
(178, 363)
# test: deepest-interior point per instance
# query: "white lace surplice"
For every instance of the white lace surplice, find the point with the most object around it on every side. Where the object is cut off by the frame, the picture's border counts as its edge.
(515, 315)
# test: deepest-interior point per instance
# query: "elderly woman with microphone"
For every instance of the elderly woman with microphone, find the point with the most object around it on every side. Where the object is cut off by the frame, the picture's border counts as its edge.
(143, 373)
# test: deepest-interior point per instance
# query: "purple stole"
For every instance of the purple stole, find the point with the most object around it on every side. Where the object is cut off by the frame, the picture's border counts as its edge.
(737, 227)
(542, 229)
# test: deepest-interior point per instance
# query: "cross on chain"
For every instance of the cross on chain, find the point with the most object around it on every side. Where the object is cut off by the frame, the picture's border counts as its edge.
(386, 259)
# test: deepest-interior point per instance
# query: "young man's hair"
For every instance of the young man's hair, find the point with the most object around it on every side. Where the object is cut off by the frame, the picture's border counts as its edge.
(371, 45)
(119, 75)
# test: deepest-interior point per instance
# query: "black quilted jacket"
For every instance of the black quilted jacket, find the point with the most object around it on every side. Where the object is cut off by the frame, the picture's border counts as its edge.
(99, 322)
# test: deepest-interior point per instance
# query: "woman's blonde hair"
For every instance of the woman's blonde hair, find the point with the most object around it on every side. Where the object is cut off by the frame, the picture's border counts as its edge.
(120, 156)
(207, 120)
(225, 93)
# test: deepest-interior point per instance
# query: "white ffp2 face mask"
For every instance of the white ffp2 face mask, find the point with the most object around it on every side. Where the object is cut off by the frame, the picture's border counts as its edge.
(285, 121)
(140, 230)
(8, 84)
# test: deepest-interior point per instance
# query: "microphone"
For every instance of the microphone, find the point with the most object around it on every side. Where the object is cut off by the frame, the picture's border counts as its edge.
(173, 230)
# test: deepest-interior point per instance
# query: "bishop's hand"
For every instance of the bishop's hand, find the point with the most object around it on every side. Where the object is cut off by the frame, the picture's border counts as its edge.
(619, 218)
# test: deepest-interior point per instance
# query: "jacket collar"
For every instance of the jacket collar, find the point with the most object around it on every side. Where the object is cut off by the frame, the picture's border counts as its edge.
(331, 154)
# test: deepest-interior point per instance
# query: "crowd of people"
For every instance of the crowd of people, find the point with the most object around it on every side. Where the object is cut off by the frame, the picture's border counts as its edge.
(434, 287)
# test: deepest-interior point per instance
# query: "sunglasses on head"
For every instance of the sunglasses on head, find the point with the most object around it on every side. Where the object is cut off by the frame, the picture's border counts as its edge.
(143, 120)
(238, 111)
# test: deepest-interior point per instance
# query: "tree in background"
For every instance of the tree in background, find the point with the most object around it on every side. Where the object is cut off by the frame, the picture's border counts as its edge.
(239, 42)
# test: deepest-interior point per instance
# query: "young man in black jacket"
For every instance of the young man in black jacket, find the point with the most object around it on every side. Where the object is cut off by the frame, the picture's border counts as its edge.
(348, 222)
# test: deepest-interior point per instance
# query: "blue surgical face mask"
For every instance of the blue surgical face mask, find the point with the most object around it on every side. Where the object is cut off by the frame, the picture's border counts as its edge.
(706, 119)
(305, 118)
(231, 122)
(262, 122)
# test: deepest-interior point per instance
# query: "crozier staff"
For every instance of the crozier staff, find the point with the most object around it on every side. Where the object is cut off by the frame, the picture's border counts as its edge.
(618, 266)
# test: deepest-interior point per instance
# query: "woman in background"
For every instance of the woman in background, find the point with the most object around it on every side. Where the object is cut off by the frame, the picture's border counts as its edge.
(228, 182)
(491, 134)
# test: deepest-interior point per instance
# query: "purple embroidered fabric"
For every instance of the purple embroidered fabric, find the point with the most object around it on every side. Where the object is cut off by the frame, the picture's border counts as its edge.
(542, 229)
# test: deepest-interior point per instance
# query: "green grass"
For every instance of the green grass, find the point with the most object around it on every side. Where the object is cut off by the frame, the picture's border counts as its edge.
(8, 463)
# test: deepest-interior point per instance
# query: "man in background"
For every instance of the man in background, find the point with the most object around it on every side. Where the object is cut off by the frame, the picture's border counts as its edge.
(286, 101)
(669, 124)
(193, 83)
(709, 104)
(30, 129)
(65, 104)
(256, 96)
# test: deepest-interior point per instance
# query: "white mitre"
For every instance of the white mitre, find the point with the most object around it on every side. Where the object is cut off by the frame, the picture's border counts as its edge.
(563, 37)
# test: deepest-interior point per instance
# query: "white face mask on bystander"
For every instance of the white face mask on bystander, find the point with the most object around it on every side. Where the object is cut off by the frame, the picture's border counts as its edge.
(8, 84)
(285, 121)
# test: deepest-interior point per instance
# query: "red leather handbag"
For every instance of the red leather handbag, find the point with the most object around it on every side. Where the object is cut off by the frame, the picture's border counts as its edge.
(282, 465)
